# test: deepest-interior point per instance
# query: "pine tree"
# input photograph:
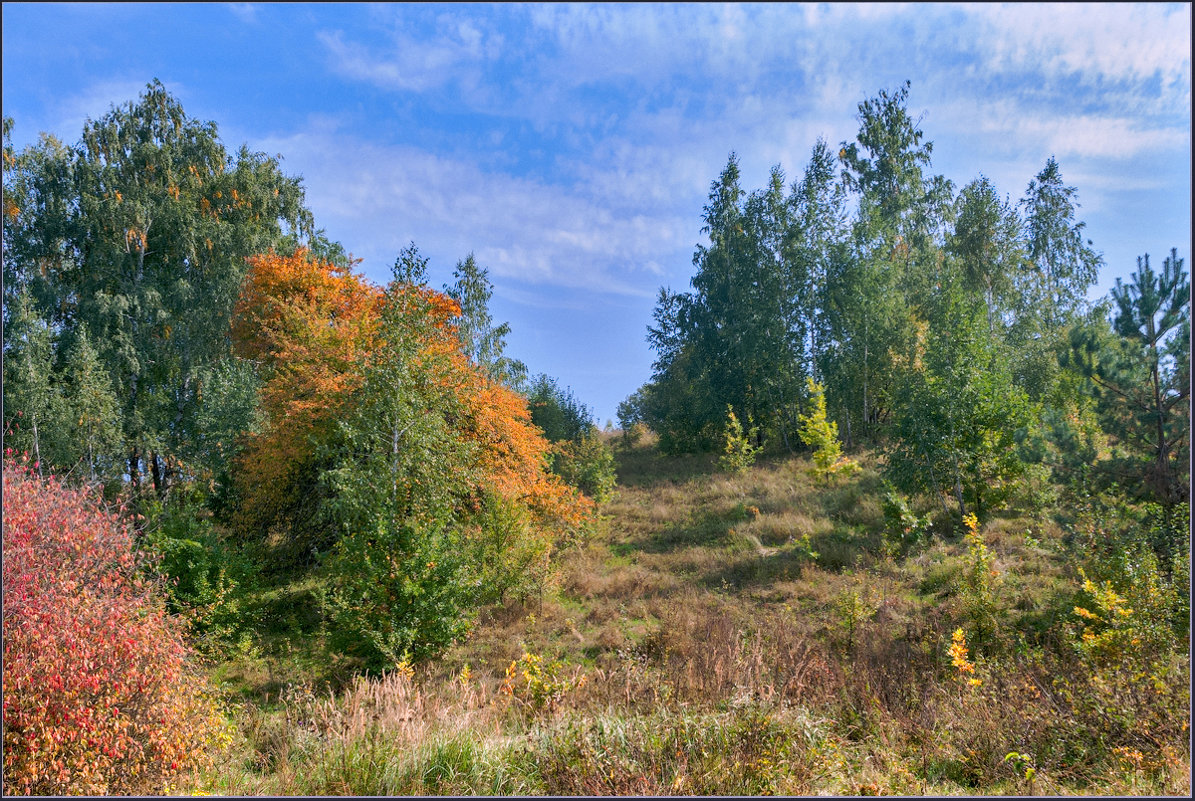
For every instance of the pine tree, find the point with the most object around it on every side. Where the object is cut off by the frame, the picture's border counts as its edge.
(821, 434)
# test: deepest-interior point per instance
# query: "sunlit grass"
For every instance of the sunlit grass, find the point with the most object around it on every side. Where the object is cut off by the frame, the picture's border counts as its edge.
(720, 656)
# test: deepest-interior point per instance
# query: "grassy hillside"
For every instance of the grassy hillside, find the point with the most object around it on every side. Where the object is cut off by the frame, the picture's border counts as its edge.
(752, 634)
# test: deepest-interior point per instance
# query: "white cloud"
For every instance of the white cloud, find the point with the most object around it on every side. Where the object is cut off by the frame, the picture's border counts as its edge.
(66, 115)
(618, 206)
(245, 12)
(1007, 128)
(416, 63)
(519, 228)
(1120, 42)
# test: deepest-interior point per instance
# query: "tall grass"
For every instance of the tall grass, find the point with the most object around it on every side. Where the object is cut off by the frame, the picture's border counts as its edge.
(721, 657)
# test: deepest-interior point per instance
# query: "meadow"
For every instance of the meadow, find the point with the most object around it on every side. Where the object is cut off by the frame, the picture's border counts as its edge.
(736, 634)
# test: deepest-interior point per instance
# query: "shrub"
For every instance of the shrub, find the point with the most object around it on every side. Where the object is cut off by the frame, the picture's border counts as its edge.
(202, 574)
(903, 528)
(507, 552)
(398, 593)
(737, 451)
(977, 590)
(587, 464)
(631, 416)
(98, 693)
(821, 434)
(539, 685)
(557, 411)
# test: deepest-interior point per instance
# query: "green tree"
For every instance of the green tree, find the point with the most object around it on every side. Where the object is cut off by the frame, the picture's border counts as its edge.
(30, 408)
(738, 453)
(632, 415)
(958, 410)
(91, 414)
(1062, 264)
(677, 399)
(1142, 375)
(482, 341)
(398, 476)
(885, 166)
(815, 244)
(720, 333)
(557, 410)
(820, 433)
(140, 232)
(587, 464)
(228, 410)
(897, 234)
(732, 339)
(986, 243)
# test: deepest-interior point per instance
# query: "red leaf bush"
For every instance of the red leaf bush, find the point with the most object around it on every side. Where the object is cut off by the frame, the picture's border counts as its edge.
(99, 697)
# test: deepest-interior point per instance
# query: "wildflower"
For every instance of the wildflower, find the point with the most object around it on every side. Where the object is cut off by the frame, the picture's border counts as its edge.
(958, 652)
(958, 658)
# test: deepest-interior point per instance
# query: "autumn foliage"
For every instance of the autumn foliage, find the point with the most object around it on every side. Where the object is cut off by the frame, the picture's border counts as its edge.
(386, 447)
(309, 324)
(314, 326)
(98, 694)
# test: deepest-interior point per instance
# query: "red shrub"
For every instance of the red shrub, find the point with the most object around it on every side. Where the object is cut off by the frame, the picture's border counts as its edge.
(98, 695)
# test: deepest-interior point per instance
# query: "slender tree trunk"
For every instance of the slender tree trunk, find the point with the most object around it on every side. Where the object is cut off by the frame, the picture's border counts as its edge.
(991, 322)
(958, 486)
(135, 469)
(866, 411)
(36, 448)
(933, 478)
(155, 465)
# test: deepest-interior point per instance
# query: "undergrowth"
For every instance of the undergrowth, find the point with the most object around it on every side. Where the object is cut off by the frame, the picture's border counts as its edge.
(755, 632)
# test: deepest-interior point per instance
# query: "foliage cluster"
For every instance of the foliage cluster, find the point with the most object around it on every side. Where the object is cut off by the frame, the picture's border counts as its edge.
(821, 434)
(100, 694)
(579, 453)
(538, 684)
(738, 453)
(177, 329)
(123, 256)
(947, 327)
(385, 447)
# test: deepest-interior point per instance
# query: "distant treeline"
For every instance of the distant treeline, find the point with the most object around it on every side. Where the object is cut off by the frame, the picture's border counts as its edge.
(950, 328)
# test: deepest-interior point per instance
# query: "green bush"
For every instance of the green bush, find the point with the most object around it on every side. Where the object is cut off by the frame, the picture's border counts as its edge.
(558, 411)
(902, 527)
(821, 434)
(398, 593)
(204, 577)
(508, 554)
(587, 464)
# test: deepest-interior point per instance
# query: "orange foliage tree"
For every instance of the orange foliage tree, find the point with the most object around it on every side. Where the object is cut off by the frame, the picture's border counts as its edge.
(384, 446)
(306, 324)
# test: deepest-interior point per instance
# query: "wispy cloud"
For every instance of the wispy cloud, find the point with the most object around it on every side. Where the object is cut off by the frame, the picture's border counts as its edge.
(520, 228)
(67, 114)
(1129, 43)
(245, 12)
(625, 186)
(453, 51)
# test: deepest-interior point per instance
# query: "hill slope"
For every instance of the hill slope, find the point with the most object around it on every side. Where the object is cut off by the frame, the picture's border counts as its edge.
(752, 634)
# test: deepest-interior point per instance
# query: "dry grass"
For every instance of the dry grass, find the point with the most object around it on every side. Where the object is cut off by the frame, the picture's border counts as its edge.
(721, 657)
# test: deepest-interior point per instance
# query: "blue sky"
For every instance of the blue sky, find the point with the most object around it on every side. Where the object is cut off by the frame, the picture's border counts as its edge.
(571, 147)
